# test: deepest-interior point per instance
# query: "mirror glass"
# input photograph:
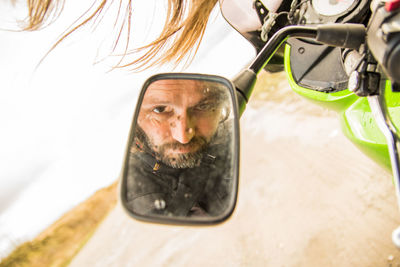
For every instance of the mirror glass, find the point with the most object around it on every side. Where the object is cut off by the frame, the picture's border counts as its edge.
(182, 159)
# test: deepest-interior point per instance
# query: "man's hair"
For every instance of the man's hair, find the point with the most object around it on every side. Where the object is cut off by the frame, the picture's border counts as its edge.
(181, 36)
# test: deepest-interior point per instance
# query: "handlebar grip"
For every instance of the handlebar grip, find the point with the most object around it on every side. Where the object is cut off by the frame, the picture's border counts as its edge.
(346, 35)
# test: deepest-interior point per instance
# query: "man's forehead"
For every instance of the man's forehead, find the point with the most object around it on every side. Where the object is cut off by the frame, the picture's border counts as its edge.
(177, 89)
(177, 85)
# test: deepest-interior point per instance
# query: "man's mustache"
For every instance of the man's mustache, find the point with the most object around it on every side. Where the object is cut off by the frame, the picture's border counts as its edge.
(196, 141)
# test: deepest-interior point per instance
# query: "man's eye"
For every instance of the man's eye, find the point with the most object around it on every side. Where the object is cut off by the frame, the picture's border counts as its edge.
(161, 109)
(205, 106)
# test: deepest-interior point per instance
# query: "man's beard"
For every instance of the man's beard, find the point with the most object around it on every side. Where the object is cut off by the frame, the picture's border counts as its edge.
(178, 160)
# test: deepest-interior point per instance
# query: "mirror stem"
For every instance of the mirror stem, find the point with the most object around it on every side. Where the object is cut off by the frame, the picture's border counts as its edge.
(246, 79)
(244, 83)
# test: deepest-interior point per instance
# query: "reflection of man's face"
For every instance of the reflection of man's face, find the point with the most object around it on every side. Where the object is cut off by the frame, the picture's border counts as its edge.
(179, 118)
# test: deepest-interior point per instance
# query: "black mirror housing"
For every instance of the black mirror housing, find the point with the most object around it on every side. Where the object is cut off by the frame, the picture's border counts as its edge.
(181, 163)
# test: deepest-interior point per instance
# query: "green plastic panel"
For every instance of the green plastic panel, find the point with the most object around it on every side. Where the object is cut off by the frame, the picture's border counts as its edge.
(355, 115)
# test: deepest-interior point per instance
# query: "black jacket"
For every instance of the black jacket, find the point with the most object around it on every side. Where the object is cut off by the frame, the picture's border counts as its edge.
(154, 188)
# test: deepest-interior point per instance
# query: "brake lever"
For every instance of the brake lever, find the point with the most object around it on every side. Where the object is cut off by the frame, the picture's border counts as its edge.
(381, 115)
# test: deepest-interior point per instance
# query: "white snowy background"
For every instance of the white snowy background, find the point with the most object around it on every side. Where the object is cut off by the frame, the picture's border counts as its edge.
(64, 125)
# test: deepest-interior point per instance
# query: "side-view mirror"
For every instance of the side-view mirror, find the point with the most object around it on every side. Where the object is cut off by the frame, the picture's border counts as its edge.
(182, 157)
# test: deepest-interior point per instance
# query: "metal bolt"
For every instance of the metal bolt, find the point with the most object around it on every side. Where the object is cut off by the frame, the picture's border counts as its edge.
(354, 81)
(159, 204)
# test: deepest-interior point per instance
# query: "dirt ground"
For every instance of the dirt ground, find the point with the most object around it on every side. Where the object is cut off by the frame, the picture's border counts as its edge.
(307, 197)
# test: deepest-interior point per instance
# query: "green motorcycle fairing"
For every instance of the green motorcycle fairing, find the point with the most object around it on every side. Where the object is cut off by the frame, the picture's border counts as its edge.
(355, 115)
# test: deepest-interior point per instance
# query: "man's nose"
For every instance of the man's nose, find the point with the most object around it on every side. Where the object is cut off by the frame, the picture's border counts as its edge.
(182, 129)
